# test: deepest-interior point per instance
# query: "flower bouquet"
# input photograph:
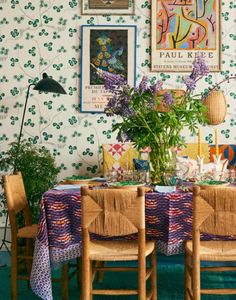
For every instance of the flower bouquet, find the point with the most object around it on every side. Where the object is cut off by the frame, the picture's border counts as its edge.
(153, 117)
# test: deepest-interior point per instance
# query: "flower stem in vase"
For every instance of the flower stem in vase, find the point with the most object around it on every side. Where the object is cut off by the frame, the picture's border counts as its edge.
(162, 164)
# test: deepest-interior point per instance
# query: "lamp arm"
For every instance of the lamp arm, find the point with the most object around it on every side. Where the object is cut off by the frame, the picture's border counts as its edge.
(21, 128)
(23, 116)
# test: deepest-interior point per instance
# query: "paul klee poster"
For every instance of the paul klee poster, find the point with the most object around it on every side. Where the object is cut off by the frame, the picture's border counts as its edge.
(182, 29)
(108, 48)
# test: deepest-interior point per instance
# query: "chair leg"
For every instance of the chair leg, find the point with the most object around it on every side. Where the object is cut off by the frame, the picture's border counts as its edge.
(153, 261)
(196, 281)
(65, 282)
(142, 280)
(28, 261)
(100, 273)
(86, 280)
(91, 280)
(14, 270)
(188, 276)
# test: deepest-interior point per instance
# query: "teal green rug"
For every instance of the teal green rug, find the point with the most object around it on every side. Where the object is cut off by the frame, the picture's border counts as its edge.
(170, 279)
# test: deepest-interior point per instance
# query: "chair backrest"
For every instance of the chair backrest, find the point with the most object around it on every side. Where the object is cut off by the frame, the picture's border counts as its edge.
(113, 212)
(214, 211)
(16, 198)
(118, 156)
(191, 150)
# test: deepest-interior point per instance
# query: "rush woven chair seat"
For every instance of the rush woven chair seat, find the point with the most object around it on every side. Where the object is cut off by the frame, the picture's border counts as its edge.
(214, 212)
(17, 203)
(116, 213)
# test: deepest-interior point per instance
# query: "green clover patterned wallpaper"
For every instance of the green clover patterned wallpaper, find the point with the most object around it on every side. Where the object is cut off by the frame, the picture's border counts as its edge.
(44, 36)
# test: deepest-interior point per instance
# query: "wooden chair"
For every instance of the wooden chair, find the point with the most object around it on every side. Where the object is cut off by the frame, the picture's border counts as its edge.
(214, 212)
(17, 203)
(113, 213)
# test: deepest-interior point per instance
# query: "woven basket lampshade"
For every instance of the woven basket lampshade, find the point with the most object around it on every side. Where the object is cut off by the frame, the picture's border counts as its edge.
(217, 107)
(176, 93)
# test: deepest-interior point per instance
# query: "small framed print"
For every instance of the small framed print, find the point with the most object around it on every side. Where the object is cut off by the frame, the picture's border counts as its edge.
(182, 29)
(108, 7)
(108, 48)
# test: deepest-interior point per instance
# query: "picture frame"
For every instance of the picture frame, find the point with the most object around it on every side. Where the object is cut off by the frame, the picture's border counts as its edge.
(108, 7)
(114, 50)
(182, 30)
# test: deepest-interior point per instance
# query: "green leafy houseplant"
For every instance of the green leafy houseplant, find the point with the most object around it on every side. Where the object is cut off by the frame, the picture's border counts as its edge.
(38, 169)
(146, 125)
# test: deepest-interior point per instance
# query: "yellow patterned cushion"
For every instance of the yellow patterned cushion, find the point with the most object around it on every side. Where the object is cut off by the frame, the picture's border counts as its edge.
(118, 156)
(192, 151)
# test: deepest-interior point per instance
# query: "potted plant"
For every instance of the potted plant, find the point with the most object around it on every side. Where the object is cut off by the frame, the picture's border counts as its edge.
(38, 169)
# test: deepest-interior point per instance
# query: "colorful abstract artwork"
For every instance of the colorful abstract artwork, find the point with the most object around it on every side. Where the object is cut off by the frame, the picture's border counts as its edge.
(108, 48)
(181, 29)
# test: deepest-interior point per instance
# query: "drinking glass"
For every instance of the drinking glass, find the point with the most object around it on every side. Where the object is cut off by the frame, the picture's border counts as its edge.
(232, 176)
(111, 176)
(127, 175)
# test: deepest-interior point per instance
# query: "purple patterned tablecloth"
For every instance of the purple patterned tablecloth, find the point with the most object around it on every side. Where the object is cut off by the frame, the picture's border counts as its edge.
(168, 222)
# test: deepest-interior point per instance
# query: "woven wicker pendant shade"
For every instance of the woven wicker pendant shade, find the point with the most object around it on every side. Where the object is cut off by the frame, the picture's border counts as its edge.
(217, 107)
(176, 93)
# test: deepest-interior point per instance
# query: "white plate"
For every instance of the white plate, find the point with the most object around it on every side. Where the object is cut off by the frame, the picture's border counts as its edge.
(62, 187)
(164, 189)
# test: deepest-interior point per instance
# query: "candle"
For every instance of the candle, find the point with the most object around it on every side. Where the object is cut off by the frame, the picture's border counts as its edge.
(216, 142)
(199, 143)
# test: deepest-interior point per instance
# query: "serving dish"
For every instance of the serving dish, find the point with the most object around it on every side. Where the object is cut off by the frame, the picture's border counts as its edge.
(77, 179)
(126, 184)
(164, 189)
(215, 183)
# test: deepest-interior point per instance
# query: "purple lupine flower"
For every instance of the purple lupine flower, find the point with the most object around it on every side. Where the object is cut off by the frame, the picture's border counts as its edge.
(199, 67)
(168, 99)
(124, 109)
(190, 83)
(119, 105)
(156, 87)
(142, 85)
(123, 137)
(110, 106)
(111, 81)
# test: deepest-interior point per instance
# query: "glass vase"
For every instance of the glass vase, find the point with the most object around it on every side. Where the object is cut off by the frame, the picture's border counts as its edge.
(162, 161)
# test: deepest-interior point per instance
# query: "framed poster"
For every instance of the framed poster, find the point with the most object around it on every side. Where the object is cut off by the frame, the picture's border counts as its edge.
(107, 7)
(108, 48)
(182, 29)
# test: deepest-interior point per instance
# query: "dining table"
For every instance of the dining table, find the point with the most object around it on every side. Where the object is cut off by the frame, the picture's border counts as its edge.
(168, 223)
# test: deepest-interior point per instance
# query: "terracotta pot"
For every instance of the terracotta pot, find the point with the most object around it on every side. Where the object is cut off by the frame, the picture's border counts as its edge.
(176, 93)
(217, 107)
